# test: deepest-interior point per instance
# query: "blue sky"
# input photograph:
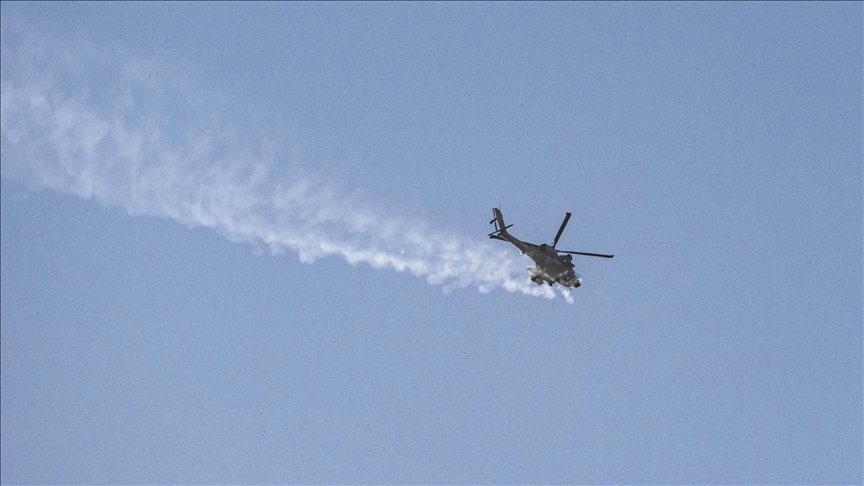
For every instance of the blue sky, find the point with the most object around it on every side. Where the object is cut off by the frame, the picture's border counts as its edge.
(247, 243)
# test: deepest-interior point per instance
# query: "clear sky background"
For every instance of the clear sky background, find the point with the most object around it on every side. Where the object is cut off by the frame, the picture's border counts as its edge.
(247, 243)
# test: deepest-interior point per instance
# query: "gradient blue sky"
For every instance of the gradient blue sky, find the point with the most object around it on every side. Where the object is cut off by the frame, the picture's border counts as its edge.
(245, 243)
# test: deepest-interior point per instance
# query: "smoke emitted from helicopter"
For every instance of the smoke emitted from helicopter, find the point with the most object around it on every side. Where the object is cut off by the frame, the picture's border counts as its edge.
(141, 140)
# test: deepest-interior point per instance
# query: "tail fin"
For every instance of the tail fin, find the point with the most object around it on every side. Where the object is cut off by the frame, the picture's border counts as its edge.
(500, 228)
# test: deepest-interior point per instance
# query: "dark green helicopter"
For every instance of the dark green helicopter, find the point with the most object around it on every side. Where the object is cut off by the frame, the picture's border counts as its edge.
(551, 266)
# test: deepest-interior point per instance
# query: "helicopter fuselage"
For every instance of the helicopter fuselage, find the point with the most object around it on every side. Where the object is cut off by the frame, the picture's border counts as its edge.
(550, 267)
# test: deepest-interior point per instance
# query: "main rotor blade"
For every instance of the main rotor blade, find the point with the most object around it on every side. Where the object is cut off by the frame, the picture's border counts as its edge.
(586, 254)
(561, 230)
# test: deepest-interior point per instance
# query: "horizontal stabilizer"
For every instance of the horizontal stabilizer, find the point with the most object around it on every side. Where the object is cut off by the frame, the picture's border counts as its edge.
(498, 231)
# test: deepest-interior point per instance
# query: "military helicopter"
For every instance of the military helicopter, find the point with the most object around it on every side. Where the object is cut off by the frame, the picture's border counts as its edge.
(551, 267)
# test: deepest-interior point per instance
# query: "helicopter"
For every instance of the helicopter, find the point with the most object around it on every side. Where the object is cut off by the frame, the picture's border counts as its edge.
(550, 265)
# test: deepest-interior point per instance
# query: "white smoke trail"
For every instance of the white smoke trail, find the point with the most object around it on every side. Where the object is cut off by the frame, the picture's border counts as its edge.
(131, 134)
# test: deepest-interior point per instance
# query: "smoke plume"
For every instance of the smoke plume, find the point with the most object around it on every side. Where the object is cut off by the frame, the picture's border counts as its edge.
(133, 134)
